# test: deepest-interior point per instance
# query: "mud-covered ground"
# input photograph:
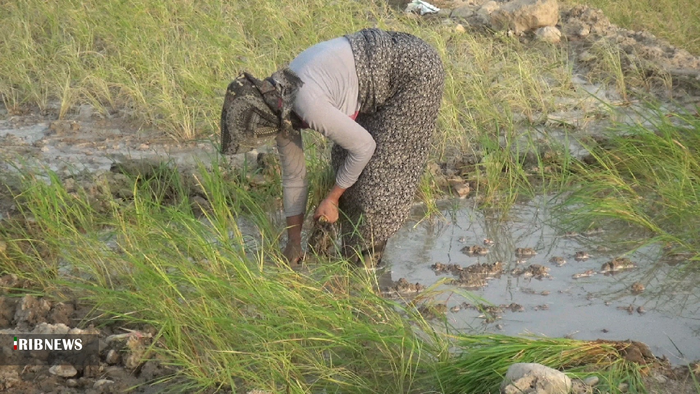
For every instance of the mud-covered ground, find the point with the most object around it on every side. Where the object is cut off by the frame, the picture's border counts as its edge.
(86, 141)
(124, 362)
(526, 276)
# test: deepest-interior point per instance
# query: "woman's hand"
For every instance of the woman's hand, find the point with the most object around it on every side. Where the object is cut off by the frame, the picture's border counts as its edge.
(327, 209)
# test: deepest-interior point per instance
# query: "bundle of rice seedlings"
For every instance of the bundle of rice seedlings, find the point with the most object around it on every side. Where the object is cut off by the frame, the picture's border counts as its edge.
(484, 359)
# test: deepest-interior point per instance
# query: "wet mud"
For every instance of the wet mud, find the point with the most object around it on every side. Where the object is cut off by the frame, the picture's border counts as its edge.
(611, 295)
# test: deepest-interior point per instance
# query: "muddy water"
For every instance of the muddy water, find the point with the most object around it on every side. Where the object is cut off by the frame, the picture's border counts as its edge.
(587, 308)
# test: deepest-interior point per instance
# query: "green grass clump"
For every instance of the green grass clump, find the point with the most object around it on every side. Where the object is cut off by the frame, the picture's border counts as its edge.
(227, 312)
(485, 359)
(162, 62)
(648, 176)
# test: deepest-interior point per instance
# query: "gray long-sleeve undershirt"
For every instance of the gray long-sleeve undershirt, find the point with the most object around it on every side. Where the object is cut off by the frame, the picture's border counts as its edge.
(326, 103)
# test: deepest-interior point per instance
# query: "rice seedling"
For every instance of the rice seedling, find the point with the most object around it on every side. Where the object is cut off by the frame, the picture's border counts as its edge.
(645, 177)
(485, 359)
(227, 311)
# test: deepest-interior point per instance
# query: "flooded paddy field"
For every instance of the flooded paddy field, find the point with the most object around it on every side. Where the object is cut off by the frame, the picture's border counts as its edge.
(654, 302)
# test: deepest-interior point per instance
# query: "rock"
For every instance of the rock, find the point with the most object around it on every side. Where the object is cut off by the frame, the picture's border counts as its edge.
(137, 350)
(9, 377)
(462, 12)
(101, 382)
(586, 56)
(548, 34)
(258, 180)
(578, 387)
(576, 29)
(200, 205)
(525, 15)
(31, 310)
(660, 378)
(484, 13)
(535, 379)
(444, 12)
(92, 371)
(64, 371)
(112, 357)
(8, 281)
(584, 20)
(251, 159)
(117, 373)
(63, 127)
(51, 329)
(591, 380)
(462, 189)
(459, 28)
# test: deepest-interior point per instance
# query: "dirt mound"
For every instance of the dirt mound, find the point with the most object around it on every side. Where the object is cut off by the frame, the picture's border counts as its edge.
(123, 358)
(588, 31)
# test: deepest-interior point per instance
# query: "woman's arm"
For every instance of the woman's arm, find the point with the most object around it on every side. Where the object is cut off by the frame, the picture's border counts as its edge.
(323, 117)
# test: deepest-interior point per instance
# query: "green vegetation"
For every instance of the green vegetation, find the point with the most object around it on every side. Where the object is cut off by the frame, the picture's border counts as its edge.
(648, 176)
(226, 311)
(482, 368)
(168, 63)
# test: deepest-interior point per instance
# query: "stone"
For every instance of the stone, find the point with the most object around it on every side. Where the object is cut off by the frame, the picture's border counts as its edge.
(484, 13)
(51, 329)
(660, 378)
(462, 12)
(102, 382)
(459, 28)
(9, 377)
(32, 310)
(444, 12)
(461, 189)
(535, 379)
(251, 159)
(586, 56)
(64, 371)
(591, 380)
(112, 357)
(576, 28)
(548, 34)
(525, 15)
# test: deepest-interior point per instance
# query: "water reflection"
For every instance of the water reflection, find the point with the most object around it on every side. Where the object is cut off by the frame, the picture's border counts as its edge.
(588, 308)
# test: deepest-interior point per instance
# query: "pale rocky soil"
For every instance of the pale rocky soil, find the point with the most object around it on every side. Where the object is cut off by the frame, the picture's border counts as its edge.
(90, 142)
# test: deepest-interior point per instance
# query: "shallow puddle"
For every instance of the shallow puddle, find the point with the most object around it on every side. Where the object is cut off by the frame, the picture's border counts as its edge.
(601, 306)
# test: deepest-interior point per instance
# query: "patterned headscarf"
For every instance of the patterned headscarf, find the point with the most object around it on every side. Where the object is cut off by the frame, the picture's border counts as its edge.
(255, 111)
